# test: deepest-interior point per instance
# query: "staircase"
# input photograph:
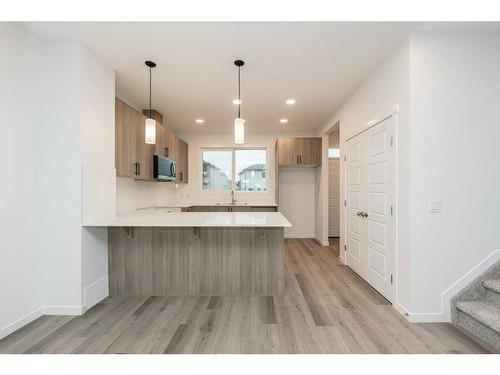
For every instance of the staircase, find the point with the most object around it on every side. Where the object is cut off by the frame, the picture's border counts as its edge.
(476, 309)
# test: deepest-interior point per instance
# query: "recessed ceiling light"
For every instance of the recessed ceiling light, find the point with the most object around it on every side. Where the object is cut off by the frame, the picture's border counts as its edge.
(284, 120)
(291, 101)
(199, 121)
(237, 101)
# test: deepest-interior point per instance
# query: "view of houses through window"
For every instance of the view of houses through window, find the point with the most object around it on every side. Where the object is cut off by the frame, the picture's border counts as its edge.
(247, 167)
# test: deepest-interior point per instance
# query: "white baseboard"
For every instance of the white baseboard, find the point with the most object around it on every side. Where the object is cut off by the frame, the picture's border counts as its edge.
(63, 310)
(299, 236)
(21, 322)
(321, 242)
(426, 317)
(419, 317)
(96, 292)
(466, 280)
(93, 294)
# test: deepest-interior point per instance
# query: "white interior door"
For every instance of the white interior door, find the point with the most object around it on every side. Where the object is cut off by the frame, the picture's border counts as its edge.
(370, 247)
(333, 198)
(355, 193)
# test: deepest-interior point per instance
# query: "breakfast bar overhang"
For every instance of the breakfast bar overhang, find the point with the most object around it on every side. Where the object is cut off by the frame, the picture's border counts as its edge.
(197, 253)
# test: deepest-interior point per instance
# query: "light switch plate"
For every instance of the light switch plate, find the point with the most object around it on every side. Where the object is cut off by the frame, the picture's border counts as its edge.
(435, 206)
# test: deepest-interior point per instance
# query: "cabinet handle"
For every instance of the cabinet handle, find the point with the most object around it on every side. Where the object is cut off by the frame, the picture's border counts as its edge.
(297, 159)
(180, 176)
(139, 168)
(166, 152)
(136, 165)
(300, 158)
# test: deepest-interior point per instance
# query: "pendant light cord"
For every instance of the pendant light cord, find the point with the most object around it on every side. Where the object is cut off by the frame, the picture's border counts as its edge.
(149, 92)
(239, 93)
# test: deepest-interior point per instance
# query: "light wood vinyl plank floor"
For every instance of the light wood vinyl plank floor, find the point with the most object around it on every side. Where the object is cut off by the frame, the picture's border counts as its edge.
(326, 308)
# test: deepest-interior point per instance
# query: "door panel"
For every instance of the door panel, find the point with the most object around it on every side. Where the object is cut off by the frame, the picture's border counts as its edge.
(287, 151)
(370, 250)
(379, 208)
(355, 235)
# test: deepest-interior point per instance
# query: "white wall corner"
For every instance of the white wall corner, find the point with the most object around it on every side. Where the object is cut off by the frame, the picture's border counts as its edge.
(95, 292)
(465, 280)
(321, 241)
(418, 317)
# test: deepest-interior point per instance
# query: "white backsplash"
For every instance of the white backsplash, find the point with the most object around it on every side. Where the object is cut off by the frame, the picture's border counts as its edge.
(133, 194)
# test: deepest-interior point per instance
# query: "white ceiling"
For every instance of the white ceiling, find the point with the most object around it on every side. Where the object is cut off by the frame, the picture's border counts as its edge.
(318, 64)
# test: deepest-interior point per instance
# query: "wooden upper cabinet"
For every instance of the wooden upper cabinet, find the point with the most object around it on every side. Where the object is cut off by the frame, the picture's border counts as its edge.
(173, 146)
(161, 146)
(309, 150)
(299, 151)
(182, 161)
(133, 157)
(144, 151)
(125, 133)
(287, 151)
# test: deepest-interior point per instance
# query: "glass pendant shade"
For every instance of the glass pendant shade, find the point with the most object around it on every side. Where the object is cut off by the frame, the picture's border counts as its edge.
(150, 131)
(239, 131)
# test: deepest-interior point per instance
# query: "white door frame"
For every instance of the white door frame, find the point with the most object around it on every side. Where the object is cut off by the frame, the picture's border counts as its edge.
(394, 190)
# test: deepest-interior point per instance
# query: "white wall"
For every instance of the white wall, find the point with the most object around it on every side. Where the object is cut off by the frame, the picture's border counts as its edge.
(98, 188)
(58, 119)
(58, 176)
(20, 272)
(297, 200)
(385, 90)
(447, 88)
(455, 96)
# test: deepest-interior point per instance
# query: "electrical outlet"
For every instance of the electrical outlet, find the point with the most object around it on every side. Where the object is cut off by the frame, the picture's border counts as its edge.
(435, 206)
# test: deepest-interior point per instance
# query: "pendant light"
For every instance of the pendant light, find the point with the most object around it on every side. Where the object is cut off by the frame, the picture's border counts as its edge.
(239, 123)
(150, 124)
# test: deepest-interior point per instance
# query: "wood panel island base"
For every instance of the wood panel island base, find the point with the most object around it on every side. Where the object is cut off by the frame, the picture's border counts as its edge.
(215, 260)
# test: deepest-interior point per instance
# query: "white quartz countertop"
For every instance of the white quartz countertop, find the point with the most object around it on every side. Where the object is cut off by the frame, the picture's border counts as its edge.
(184, 205)
(146, 218)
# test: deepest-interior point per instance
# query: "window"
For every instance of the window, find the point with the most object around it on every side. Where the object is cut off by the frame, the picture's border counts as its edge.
(250, 170)
(333, 153)
(217, 170)
(246, 167)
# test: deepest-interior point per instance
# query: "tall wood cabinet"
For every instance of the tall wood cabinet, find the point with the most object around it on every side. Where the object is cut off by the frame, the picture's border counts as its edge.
(133, 157)
(144, 153)
(298, 151)
(125, 140)
(182, 151)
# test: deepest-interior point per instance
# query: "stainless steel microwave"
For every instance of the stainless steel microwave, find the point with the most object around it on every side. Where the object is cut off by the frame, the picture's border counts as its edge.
(163, 168)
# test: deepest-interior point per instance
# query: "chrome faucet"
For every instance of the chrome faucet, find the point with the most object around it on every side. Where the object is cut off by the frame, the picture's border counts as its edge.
(233, 199)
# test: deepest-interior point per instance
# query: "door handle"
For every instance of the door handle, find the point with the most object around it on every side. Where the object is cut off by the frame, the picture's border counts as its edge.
(362, 214)
(136, 165)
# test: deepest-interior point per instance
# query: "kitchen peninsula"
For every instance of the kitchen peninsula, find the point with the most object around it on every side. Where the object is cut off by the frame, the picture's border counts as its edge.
(154, 252)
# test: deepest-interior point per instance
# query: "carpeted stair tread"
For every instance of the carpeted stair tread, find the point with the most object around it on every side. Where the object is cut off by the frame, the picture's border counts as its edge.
(493, 284)
(486, 313)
